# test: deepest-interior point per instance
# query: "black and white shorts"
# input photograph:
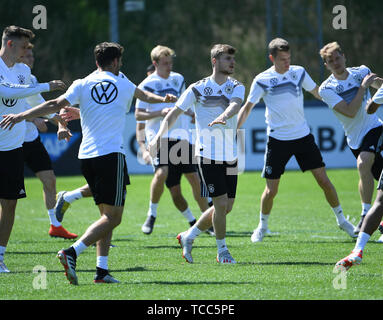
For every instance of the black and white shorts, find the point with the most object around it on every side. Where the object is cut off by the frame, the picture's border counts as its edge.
(107, 177)
(12, 174)
(372, 142)
(218, 177)
(279, 152)
(36, 157)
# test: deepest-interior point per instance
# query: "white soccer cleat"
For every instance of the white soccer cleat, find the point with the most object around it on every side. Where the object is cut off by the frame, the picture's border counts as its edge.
(347, 227)
(354, 258)
(380, 240)
(258, 235)
(186, 245)
(225, 258)
(3, 267)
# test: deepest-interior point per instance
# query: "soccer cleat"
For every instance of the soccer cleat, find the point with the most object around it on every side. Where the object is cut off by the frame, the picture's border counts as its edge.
(105, 279)
(355, 258)
(69, 264)
(347, 227)
(258, 235)
(61, 232)
(359, 225)
(61, 206)
(148, 226)
(3, 267)
(380, 240)
(225, 258)
(380, 228)
(186, 245)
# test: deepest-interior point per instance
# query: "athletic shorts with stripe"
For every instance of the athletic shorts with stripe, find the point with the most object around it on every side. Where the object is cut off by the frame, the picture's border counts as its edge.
(279, 152)
(36, 157)
(107, 177)
(372, 142)
(218, 177)
(12, 174)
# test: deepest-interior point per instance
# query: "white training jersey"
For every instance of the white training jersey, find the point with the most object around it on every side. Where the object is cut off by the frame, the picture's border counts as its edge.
(15, 86)
(334, 91)
(283, 97)
(378, 96)
(103, 98)
(210, 100)
(174, 84)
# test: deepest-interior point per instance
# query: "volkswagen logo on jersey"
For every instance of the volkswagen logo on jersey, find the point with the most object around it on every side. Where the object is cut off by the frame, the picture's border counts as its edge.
(274, 81)
(158, 86)
(104, 92)
(208, 91)
(339, 88)
(9, 102)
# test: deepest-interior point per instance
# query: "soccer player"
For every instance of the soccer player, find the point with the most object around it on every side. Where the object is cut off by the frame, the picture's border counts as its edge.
(166, 169)
(13, 89)
(289, 135)
(102, 97)
(346, 93)
(37, 158)
(373, 218)
(216, 101)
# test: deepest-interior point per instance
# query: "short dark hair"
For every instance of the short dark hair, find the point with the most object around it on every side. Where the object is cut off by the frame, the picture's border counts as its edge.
(12, 32)
(219, 49)
(106, 52)
(278, 44)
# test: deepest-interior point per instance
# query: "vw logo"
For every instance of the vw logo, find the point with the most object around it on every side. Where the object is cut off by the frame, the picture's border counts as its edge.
(207, 91)
(339, 88)
(104, 92)
(9, 102)
(274, 81)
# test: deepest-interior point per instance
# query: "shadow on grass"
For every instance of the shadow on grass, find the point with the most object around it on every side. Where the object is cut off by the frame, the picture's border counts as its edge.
(288, 263)
(135, 269)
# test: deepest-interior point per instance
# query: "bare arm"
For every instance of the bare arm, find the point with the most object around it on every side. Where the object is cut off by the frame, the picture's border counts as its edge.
(140, 137)
(231, 110)
(315, 93)
(153, 98)
(142, 114)
(244, 113)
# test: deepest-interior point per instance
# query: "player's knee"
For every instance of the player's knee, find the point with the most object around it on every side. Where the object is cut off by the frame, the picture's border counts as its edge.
(270, 193)
(365, 162)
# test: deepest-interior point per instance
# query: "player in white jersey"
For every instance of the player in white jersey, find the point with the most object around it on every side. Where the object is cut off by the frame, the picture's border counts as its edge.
(373, 218)
(167, 171)
(13, 90)
(289, 135)
(102, 97)
(346, 93)
(216, 100)
(37, 158)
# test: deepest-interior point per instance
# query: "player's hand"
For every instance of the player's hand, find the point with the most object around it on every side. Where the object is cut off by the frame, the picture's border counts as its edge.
(40, 124)
(153, 147)
(368, 80)
(10, 120)
(56, 85)
(219, 120)
(165, 111)
(146, 157)
(170, 98)
(64, 133)
(70, 113)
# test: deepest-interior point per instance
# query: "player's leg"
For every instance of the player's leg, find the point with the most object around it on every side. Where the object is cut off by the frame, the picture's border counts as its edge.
(7, 218)
(195, 183)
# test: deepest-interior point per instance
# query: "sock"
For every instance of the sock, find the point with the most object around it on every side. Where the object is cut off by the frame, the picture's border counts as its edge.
(193, 232)
(79, 247)
(2, 251)
(101, 272)
(52, 218)
(102, 262)
(365, 208)
(152, 209)
(188, 215)
(72, 196)
(264, 220)
(221, 245)
(361, 241)
(339, 214)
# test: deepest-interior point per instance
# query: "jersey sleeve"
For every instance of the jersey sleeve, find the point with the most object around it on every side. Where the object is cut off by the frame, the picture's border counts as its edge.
(19, 91)
(378, 96)
(72, 95)
(256, 92)
(239, 92)
(187, 99)
(308, 83)
(329, 97)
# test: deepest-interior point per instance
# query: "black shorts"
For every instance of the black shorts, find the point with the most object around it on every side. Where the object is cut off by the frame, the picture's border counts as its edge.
(372, 142)
(279, 152)
(107, 178)
(36, 156)
(218, 177)
(12, 174)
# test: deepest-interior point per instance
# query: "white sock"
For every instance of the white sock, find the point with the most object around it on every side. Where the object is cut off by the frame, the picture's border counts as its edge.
(102, 262)
(152, 209)
(79, 247)
(72, 196)
(339, 214)
(2, 251)
(365, 208)
(221, 245)
(361, 241)
(52, 218)
(264, 220)
(188, 215)
(193, 232)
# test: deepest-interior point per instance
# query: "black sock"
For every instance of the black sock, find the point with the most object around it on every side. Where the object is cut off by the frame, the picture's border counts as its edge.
(71, 251)
(101, 272)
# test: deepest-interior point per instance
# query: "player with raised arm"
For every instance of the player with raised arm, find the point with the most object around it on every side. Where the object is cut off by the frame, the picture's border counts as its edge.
(289, 135)
(216, 101)
(346, 93)
(102, 97)
(13, 90)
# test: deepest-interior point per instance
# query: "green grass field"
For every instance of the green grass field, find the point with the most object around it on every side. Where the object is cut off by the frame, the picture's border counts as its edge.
(295, 263)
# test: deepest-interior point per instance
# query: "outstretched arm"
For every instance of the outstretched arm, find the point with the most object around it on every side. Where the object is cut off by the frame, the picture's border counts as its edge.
(231, 110)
